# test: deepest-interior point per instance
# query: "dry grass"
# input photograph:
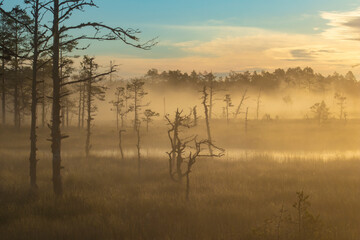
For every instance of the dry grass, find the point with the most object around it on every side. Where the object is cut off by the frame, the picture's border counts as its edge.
(105, 199)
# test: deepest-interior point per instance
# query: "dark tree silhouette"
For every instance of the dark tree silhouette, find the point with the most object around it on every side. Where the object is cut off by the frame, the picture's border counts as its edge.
(136, 92)
(207, 120)
(62, 11)
(93, 90)
(185, 150)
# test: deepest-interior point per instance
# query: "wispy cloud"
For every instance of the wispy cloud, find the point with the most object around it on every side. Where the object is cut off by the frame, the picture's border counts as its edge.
(226, 47)
(343, 25)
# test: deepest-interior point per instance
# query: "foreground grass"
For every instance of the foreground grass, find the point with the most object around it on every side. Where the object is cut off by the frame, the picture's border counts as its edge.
(105, 199)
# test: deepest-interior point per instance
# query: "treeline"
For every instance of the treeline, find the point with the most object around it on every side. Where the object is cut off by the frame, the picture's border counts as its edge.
(293, 78)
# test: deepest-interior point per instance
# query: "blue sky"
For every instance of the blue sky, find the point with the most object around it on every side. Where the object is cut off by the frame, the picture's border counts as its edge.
(204, 33)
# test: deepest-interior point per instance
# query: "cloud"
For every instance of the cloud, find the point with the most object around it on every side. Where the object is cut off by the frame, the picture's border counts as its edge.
(342, 25)
(223, 48)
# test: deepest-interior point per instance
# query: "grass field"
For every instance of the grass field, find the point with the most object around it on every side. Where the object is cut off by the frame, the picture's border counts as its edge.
(106, 199)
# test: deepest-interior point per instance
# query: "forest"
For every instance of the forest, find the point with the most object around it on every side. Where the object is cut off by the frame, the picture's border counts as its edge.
(86, 153)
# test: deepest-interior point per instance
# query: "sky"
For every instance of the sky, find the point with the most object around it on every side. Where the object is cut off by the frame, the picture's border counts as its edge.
(230, 35)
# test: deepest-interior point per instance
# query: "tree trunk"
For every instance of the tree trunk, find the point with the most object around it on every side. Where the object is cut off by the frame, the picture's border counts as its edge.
(211, 99)
(3, 96)
(135, 108)
(207, 120)
(79, 110)
(120, 145)
(67, 113)
(33, 137)
(83, 107)
(55, 128)
(88, 122)
(187, 185)
(43, 104)
(138, 148)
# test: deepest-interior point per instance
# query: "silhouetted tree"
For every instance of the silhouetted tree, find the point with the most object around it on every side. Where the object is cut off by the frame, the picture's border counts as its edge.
(93, 90)
(120, 106)
(62, 11)
(136, 92)
(149, 115)
(207, 120)
(185, 150)
(175, 160)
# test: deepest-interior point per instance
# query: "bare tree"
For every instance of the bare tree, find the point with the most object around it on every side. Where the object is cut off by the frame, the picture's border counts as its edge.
(62, 11)
(243, 98)
(207, 119)
(182, 150)
(175, 160)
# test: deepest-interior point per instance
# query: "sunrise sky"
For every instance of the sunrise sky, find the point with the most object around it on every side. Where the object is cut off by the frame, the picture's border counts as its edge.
(226, 35)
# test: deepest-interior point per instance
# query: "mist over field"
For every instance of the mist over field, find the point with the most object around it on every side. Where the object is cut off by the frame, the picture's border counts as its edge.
(217, 120)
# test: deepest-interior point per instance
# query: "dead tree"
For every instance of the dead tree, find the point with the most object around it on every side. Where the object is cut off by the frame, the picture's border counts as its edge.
(192, 156)
(175, 160)
(182, 151)
(243, 98)
(62, 11)
(149, 115)
(207, 120)
(228, 104)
